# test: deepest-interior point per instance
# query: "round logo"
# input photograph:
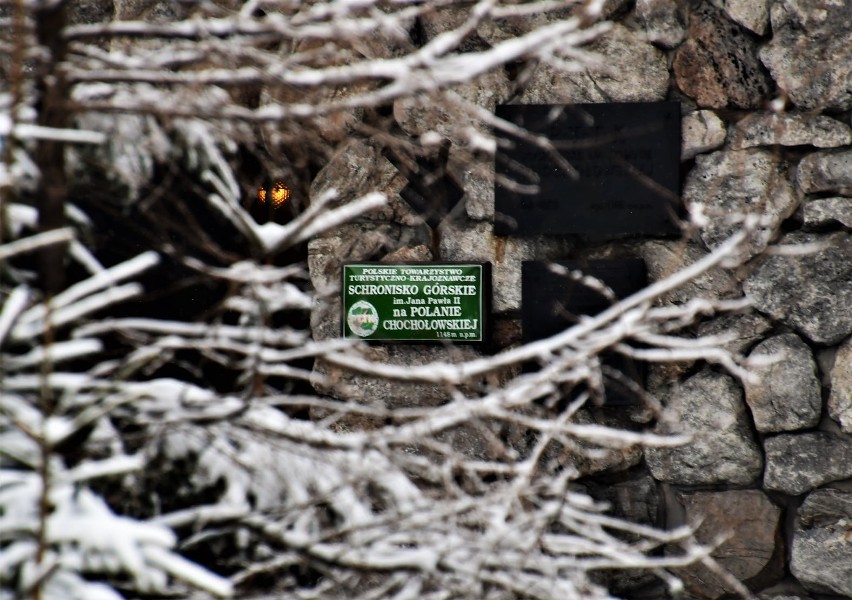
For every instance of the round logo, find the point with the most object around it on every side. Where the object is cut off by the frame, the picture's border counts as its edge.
(362, 318)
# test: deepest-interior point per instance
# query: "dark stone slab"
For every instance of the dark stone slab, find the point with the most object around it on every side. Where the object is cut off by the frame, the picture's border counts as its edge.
(553, 301)
(623, 177)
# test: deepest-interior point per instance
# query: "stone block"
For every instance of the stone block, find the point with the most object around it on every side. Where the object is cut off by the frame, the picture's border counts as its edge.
(821, 557)
(722, 450)
(788, 395)
(748, 522)
(798, 463)
(809, 291)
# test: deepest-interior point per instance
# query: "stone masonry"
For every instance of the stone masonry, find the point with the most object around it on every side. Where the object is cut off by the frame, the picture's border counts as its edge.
(766, 93)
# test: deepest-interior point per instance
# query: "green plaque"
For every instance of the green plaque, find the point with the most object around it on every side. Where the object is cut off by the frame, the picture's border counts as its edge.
(416, 302)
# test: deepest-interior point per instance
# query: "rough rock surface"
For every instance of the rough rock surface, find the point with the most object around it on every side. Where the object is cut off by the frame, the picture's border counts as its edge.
(788, 395)
(749, 522)
(821, 556)
(383, 392)
(478, 182)
(663, 258)
(717, 65)
(745, 329)
(478, 243)
(789, 129)
(701, 132)
(826, 172)
(358, 168)
(440, 112)
(722, 450)
(751, 14)
(737, 182)
(840, 397)
(662, 21)
(633, 71)
(821, 212)
(810, 292)
(797, 463)
(810, 53)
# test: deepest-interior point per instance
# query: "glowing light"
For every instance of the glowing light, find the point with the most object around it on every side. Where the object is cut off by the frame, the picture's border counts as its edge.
(278, 194)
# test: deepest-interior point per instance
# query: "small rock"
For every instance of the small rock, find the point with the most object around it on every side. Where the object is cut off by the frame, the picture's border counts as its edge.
(768, 129)
(702, 131)
(662, 21)
(810, 53)
(751, 14)
(731, 184)
(840, 397)
(821, 212)
(722, 450)
(821, 557)
(717, 65)
(788, 396)
(799, 462)
(810, 292)
(749, 522)
(826, 172)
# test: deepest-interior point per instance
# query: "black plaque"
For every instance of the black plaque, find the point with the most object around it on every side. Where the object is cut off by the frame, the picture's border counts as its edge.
(553, 301)
(623, 178)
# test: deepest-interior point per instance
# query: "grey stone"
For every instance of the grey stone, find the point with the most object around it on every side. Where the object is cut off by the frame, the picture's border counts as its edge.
(592, 459)
(635, 499)
(479, 243)
(478, 181)
(442, 112)
(735, 183)
(717, 65)
(661, 21)
(664, 258)
(358, 168)
(810, 53)
(632, 71)
(495, 31)
(826, 172)
(821, 557)
(382, 392)
(748, 521)
(799, 462)
(821, 212)
(701, 131)
(771, 596)
(840, 396)
(751, 14)
(810, 292)
(151, 11)
(789, 129)
(744, 329)
(788, 395)
(722, 450)
(90, 11)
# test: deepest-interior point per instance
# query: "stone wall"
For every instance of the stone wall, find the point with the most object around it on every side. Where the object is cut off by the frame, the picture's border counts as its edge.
(766, 91)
